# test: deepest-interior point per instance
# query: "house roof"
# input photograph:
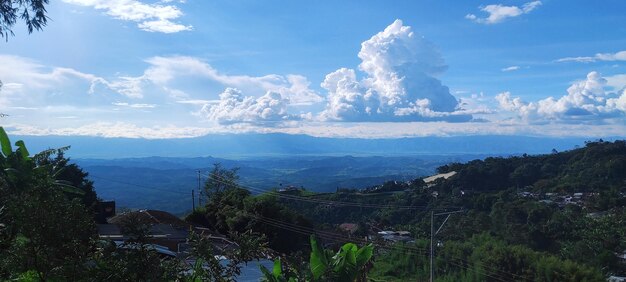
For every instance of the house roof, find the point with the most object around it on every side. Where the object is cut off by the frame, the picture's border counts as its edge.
(437, 176)
(113, 231)
(350, 227)
(150, 217)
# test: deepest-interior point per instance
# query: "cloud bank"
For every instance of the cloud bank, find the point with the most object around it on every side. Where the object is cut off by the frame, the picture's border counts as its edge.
(163, 70)
(399, 85)
(149, 17)
(498, 12)
(586, 101)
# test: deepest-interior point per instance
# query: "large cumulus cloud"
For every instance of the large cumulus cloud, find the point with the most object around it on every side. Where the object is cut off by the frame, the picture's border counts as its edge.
(587, 100)
(234, 107)
(399, 83)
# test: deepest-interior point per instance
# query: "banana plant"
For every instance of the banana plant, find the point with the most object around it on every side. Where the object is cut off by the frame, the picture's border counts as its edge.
(349, 264)
(277, 274)
(18, 166)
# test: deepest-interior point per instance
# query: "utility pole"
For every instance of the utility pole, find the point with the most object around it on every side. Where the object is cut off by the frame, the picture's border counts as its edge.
(199, 191)
(193, 200)
(432, 237)
(432, 250)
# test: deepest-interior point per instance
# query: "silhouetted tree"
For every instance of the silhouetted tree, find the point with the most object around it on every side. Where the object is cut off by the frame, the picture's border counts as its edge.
(32, 12)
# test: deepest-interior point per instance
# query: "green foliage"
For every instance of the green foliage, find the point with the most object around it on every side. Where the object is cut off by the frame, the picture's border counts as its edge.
(402, 261)
(597, 167)
(349, 264)
(232, 209)
(45, 232)
(32, 12)
(5, 143)
(490, 196)
(486, 258)
(277, 274)
(220, 179)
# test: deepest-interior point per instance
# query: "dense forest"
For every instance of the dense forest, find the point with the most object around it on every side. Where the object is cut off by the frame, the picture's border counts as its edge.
(554, 217)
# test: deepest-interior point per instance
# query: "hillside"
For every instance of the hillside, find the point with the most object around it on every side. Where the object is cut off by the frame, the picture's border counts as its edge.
(571, 205)
(142, 182)
(599, 166)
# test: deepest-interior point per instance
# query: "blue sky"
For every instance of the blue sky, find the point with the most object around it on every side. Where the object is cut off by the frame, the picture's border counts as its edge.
(372, 69)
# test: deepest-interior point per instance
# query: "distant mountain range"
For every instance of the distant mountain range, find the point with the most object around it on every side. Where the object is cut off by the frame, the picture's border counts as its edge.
(237, 146)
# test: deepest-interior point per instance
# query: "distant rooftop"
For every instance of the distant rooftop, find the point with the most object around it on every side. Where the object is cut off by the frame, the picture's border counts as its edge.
(441, 175)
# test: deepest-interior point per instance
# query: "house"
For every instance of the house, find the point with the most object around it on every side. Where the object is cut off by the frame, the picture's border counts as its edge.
(395, 236)
(290, 189)
(403, 233)
(163, 228)
(383, 233)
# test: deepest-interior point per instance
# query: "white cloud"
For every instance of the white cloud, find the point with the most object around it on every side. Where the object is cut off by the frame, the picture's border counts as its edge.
(30, 84)
(619, 56)
(150, 17)
(24, 77)
(136, 105)
(163, 70)
(498, 13)
(370, 130)
(233, 107)
(617, 82)
(511, 68)
(113, 130)
(28, 81)
(200, 102)
(400, 84)
(586, 101)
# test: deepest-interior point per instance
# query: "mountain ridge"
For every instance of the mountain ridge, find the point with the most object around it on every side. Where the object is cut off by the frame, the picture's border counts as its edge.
(279, 144)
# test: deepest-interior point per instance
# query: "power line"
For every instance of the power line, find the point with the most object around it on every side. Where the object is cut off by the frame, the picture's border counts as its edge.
(336, 237)
(490, 272)
(319, 201)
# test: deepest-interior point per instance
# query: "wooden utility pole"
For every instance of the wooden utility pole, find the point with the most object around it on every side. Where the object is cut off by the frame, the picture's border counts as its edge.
(199, 191)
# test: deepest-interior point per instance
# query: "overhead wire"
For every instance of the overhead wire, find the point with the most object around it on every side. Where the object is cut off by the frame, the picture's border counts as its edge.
(329, 235)
(319, 201)
(333, 236)
(138, 185)
(340, 203)
(415, 250)
(490, 272)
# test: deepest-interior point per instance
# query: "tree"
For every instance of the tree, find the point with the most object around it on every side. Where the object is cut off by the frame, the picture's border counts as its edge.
(47, 234)
(220, 179)
(209, 267)
(32, 12)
